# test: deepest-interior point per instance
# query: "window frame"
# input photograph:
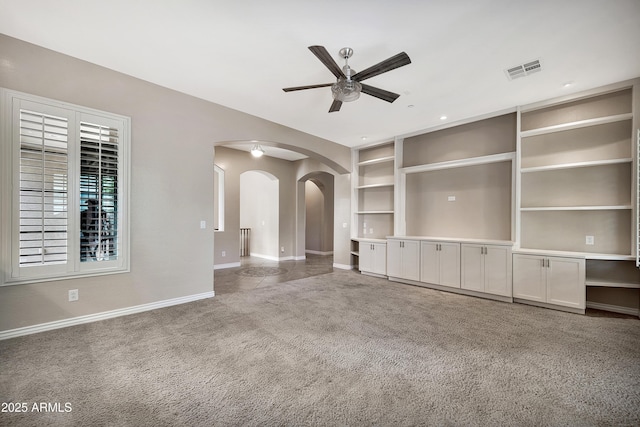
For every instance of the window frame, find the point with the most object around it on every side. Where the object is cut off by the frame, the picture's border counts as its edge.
(12, 273)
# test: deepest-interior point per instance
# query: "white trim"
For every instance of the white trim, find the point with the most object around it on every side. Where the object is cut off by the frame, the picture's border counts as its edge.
(268, 257)
(49, 326)
(299, 258)
(343, 266)
(614, 308)
(227, 265)
(309, 251)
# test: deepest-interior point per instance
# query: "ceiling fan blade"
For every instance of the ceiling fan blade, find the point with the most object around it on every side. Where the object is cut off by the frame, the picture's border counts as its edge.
(385, 95)
(291, 89)
(335, 106)
(327, 60)
(392, 63)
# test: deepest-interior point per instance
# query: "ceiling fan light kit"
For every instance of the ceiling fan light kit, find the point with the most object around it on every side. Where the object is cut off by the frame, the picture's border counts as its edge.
(348, 86)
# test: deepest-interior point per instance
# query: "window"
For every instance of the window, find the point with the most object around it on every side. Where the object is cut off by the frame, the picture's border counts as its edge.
(64, 190)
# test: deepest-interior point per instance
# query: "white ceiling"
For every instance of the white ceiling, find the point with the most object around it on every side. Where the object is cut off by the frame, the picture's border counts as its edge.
(242, 53)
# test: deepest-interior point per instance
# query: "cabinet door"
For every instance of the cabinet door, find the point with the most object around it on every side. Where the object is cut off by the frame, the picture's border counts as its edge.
(366, 256)
(450, 264)
(394, 259)
(566, 282)
(430, 268)
(497, 270)
(411, 260)
(529, 277)
(379, 259)
(473, 267)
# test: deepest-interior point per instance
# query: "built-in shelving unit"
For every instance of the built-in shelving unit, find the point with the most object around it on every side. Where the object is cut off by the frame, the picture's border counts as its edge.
(458, 182)
(373, 191)
(372, 205)
(576, 193)
(576, 173)
(547, 195)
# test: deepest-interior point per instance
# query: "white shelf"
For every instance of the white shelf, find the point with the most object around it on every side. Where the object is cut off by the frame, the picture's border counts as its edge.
(369, 240)
(577, 125)
(472, 161)
(585, 255)
(612, 284)
(378, 160)
(575, 208)
(362, 187)
(355, 253)
(373, 212)
(576, 165)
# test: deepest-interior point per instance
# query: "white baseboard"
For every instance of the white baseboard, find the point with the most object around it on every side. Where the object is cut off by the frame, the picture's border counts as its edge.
(300, 258)
(268, 257)
(342, 266)
(228, 265)
(28, 330)
(613, 308)
(309, 251)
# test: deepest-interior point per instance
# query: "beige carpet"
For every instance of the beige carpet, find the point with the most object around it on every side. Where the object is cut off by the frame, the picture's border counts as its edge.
(336, 349)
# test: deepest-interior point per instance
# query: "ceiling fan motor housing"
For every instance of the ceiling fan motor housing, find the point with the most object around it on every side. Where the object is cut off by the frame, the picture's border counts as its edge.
(346, 91)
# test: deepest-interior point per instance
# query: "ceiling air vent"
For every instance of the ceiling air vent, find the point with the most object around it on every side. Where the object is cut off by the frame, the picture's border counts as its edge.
(524, 69)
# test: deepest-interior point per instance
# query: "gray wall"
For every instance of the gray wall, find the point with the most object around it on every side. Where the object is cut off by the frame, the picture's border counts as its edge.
(173, 138)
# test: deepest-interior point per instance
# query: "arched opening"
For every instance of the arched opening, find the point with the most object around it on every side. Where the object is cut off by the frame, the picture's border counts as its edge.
(259, 212)
(318, 190)
(318, 218)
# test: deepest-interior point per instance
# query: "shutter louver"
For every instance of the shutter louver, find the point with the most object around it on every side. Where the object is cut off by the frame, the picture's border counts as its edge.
(43, 189)
(99, 151)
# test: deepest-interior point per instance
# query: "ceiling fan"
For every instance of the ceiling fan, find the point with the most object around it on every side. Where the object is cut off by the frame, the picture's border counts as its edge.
(348, 86)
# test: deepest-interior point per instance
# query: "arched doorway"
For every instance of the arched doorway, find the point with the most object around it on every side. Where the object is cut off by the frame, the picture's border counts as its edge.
(319, 213)
(259, 211)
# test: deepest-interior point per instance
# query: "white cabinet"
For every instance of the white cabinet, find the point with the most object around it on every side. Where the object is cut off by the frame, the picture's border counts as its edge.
(440, 263)
(552, 280)
(486, 268)
(373, 257)
(403, 259)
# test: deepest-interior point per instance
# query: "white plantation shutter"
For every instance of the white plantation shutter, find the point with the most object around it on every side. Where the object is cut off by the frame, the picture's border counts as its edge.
(99, 154)
(43, 189)
(64, 198)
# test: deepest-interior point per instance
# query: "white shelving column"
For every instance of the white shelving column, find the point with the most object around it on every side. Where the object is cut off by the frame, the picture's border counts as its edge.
(400, 193)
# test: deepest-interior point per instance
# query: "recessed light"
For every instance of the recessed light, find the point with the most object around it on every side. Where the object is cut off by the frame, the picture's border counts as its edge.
(364, 138)
(443, 117)
(567, 84)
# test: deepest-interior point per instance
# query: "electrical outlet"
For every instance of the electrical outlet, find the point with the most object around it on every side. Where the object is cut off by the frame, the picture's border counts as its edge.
(282, 249)
(203, 224)
(73, 295)
(224, 253)
(590, 240)
(451, 198)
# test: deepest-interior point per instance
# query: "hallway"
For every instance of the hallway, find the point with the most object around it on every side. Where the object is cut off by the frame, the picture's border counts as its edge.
(257, 272)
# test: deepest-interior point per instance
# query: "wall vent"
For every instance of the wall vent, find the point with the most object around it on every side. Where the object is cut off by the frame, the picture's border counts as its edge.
(524, 69)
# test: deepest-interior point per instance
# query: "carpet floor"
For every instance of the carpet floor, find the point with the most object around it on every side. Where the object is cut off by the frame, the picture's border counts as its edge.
(334, 349)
